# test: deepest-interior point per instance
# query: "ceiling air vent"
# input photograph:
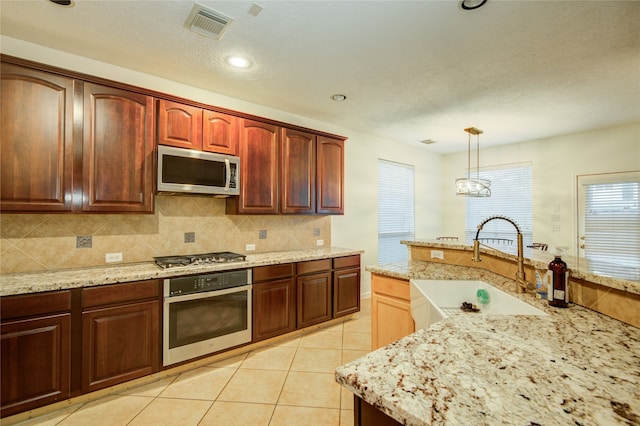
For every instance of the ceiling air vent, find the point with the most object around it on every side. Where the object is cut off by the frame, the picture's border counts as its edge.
(207, 22)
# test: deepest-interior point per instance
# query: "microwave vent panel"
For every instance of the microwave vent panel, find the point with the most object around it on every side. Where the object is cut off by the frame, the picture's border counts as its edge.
(207, 22)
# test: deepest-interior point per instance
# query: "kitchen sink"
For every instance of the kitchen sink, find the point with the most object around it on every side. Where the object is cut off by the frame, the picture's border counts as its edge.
(433, 300)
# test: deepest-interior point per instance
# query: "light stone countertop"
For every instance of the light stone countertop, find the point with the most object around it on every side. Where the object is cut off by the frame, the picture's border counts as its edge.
(540, 260)
(574, 366)
(34, 282)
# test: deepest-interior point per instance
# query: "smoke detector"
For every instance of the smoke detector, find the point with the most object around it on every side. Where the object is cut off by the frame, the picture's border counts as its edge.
(207, 22)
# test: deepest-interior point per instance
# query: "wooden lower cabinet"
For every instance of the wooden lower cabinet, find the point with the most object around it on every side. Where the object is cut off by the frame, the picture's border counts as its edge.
(35, 351)
(365, 414)
(313, 292)
(346, 285)
(390, 310)
(274, 301)
(120, 341)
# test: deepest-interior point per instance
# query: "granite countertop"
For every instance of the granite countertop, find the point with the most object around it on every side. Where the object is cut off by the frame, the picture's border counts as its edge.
(574, 366)
(33, 282)
(540, 259)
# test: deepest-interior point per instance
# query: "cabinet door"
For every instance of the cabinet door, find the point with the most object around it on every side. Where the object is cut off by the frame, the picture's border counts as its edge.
(259, 169)
(220, 133)
(37, 140)
(390, 310)
(274, 308)
(117, 150)
(298, 172)
(179, 125)
(346, 292)
(36, 362)
(330, 176)
(119, 344)
(314, 299)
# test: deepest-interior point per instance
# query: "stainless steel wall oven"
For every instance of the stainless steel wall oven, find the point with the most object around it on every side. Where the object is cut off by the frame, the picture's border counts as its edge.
(205, 314)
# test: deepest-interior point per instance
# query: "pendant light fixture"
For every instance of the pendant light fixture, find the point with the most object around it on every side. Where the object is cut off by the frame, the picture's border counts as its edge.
(473, 187)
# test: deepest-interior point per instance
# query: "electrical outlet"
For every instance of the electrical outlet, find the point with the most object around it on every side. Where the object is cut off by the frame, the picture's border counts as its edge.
(189, 237)
(250, 247)
(319, 242)
(113, 257)
(555, 228)
(555, 218)
(262, 234)
(437, 254)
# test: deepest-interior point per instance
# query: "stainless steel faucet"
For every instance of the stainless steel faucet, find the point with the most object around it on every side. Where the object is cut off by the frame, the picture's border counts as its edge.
(521, 283)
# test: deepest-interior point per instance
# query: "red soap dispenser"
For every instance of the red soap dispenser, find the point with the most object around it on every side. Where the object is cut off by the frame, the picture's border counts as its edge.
(558, 294)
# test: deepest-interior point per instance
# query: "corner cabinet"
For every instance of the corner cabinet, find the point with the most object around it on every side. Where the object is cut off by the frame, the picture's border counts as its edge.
(390, 310)
(330, 176)
(117, 151)
(36, 350)
(73, 146)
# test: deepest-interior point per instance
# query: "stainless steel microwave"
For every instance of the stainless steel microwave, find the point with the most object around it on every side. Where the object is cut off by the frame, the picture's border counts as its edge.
(190, 171)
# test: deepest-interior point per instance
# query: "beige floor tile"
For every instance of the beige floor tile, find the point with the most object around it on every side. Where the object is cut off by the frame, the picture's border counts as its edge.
(114, 410)
(287, 343)
(317, 360)
(346, 417)
(322, 339)
(51, 419)
(337, 328)
(362, 325)
(346, 399)
(270, 358)
(349, 355)
(168, 411)
(298, 416)
(258, 386)
(304, 389)
(238, 414)
(233, 362)
(201, 383)
(151, 389)
(357, 341)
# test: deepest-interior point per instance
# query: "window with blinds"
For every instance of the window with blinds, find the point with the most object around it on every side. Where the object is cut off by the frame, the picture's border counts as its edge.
(511, 196)
(611, 217)
(395, 210)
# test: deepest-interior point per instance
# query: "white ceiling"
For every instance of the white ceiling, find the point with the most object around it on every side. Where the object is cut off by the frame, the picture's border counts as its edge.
(412, 70)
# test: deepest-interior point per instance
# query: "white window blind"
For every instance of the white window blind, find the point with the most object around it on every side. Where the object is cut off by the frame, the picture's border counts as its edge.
(511, 196)
(395, 210)
(612, 225)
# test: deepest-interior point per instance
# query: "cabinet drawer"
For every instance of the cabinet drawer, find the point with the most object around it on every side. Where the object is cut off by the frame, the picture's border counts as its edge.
(313, 266)
(346, 261)
(265, 273)
(391, 287)
(27, 305)
(120, 293)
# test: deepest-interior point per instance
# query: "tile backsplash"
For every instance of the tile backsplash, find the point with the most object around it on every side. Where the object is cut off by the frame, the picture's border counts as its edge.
(180, 225)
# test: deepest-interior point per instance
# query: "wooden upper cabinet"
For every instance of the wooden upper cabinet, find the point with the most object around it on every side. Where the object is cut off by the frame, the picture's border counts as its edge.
(179, 125)
(298, 172)
(118, 146)
(258, 169)
(330, 176)
(37, 140)
(220, 133)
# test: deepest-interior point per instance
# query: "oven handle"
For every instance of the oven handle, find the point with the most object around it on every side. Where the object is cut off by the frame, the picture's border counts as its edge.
(204, 295)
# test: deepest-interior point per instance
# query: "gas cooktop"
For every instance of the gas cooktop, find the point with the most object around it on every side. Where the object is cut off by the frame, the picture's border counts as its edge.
(197, 259)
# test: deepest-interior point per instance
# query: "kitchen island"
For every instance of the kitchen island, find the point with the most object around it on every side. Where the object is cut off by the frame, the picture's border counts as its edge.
(573, 366)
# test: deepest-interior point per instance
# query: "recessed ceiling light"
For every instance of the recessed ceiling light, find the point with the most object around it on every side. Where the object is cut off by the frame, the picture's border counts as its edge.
(339, 97)
(238, 62)
(472, 4)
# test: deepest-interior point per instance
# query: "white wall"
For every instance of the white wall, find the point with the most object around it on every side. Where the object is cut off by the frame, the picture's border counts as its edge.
(556, 162)
(358, 227)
